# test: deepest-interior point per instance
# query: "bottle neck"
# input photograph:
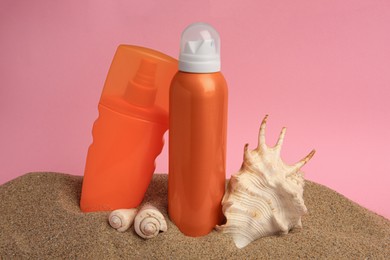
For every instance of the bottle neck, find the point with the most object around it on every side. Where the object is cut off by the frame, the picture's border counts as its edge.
(140, 94)
(141, 90)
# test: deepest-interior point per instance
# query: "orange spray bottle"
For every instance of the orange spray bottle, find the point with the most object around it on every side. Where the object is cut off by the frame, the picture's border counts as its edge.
(128, 135)
(197, 133)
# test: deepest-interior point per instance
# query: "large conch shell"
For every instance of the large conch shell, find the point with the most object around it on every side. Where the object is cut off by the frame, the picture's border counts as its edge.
(266, 196)
(149, 222)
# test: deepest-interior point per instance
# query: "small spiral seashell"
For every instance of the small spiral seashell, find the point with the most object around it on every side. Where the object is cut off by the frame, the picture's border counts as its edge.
(122, 219)
(149, 222)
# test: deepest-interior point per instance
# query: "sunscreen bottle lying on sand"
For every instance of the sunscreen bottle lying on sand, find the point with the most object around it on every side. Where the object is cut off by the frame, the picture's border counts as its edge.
(197, 133)
(128, 134)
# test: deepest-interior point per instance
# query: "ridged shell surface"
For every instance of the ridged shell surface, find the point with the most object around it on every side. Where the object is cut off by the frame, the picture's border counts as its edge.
(265, 197)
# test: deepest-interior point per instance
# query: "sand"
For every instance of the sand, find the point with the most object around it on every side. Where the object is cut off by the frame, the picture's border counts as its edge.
(40, 218)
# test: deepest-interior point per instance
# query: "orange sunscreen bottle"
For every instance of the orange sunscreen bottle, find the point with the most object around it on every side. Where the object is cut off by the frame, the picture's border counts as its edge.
(197, 134)
(128, 134)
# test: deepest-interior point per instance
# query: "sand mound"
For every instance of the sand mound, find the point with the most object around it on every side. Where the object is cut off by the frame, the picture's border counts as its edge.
(40, 218)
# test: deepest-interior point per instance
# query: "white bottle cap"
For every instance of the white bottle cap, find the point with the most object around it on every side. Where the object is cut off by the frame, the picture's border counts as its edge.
(200, 49)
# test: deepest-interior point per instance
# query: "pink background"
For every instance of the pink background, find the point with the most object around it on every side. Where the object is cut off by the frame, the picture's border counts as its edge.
(321, 68)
